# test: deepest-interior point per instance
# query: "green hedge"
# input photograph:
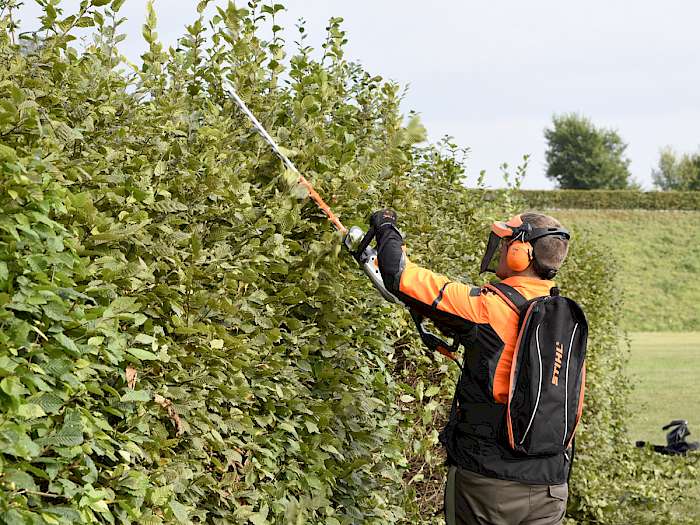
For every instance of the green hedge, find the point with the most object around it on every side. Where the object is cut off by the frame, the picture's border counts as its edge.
(607, 199)
(181, 339)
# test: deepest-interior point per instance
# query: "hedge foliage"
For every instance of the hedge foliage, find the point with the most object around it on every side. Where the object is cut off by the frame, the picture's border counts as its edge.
(605, 199)
(182, 339)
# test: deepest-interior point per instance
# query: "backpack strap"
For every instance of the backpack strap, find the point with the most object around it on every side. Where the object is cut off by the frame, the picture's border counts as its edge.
(510, 295)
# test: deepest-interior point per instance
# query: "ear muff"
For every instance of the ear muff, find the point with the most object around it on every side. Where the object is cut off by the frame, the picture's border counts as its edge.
(519, 255)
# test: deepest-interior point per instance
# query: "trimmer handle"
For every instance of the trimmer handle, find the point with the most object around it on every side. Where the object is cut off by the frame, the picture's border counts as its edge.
(433, 342)
(358, 243)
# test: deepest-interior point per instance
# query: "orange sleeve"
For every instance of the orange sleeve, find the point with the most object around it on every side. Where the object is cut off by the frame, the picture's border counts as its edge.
(442, 295)
(464, 301)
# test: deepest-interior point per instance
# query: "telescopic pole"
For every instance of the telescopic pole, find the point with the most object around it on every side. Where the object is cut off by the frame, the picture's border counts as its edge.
(290, 165)
(356, 241)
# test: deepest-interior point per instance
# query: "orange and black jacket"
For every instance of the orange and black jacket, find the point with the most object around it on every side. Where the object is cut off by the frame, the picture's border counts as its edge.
(487, 328)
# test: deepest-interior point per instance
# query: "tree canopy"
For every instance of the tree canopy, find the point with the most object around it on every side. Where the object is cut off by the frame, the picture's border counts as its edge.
(677, 172)
(582, 156)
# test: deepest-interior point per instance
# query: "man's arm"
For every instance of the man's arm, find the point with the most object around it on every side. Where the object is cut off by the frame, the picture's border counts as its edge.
(453, 306)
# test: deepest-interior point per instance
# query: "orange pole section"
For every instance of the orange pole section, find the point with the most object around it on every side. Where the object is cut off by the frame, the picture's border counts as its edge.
(321, 204)
(302, 180)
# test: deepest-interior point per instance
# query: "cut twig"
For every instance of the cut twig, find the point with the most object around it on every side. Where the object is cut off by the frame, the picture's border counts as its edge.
(168, 406)
(131, 375)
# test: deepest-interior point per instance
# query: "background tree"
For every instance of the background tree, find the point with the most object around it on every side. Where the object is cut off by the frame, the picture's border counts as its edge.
(680, 173)
(581, 156)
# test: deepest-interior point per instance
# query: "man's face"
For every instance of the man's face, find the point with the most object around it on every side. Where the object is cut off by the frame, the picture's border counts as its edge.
(502, 271)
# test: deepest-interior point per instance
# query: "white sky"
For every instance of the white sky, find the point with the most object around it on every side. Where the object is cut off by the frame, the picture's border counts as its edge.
(491, 74)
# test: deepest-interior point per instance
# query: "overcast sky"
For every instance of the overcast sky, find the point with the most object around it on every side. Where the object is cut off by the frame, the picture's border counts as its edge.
(491, 74)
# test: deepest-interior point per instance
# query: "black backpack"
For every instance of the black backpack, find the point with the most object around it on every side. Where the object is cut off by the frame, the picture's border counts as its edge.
(676, 444)
(548, 374)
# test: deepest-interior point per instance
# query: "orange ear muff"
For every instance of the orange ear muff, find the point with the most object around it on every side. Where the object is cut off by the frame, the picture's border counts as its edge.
(519, 255)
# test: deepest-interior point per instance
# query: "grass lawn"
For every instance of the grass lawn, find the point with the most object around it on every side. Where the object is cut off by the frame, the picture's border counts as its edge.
(657, 262)
(665, 367)
(657, 255)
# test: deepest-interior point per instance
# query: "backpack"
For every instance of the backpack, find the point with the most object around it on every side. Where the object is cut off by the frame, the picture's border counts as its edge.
(676, 444)
(548, 374)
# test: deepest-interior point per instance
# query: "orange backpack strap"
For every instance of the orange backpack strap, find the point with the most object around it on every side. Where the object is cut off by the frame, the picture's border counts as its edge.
(510, 295)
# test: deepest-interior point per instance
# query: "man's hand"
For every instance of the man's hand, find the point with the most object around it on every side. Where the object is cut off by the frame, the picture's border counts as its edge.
(380, 219)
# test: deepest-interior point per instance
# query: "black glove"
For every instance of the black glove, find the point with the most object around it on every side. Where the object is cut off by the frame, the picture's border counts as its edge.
(389, 242)
(379, 219)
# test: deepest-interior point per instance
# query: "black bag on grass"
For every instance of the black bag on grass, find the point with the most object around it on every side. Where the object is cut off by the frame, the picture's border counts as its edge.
(676, 445)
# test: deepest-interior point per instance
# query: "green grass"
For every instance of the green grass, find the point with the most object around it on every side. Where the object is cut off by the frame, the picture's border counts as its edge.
(658, 255)
(658, 273)
(665, 368)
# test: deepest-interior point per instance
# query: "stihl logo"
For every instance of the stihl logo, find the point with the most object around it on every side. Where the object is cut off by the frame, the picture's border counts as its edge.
(557, 362)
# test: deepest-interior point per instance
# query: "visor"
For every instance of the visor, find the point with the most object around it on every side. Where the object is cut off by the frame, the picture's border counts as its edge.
(492, 255)
(499, 230)
(512, 230)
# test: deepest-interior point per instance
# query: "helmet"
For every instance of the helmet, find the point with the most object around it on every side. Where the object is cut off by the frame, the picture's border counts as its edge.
(518, 238)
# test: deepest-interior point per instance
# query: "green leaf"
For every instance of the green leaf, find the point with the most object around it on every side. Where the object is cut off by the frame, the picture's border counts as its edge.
(66, 342)
(30, 411)
(13, 517)
(14, 441)
(71, 433)
(50, 403)
(179, 511)
(99, 506)
(311, 427)
(330, 448)
(143, 355)
(260, 517)
(13, 387)
(7, 365)
(7, 154)
(432, 390)
(144, 338)
(136, 395)
(121, 305)
(19, 480)
(288, 427)
(83, 21)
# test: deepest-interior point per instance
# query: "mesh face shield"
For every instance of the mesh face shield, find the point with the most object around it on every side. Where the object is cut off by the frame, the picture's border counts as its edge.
(500, 233)
(514, 229)
(492, 255)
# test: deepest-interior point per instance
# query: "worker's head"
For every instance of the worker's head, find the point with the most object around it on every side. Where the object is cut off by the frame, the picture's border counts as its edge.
(530, 244)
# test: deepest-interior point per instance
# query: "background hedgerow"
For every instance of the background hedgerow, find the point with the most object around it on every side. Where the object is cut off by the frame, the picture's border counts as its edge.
(608, 199)
(181, 337)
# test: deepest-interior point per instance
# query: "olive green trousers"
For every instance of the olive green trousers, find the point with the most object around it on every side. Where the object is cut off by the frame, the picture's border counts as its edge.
(473, 499)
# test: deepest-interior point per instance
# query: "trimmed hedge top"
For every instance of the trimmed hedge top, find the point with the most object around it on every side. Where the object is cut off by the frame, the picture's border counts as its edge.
(609, 199)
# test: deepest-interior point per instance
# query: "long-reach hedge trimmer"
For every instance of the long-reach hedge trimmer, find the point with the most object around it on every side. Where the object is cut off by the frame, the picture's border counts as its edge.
(355, 240)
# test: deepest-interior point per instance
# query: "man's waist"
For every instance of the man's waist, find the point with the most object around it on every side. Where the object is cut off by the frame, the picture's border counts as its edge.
(490, 458)
(483, 419)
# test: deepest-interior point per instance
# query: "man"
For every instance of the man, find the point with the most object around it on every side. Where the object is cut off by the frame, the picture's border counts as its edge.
(488, 482)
